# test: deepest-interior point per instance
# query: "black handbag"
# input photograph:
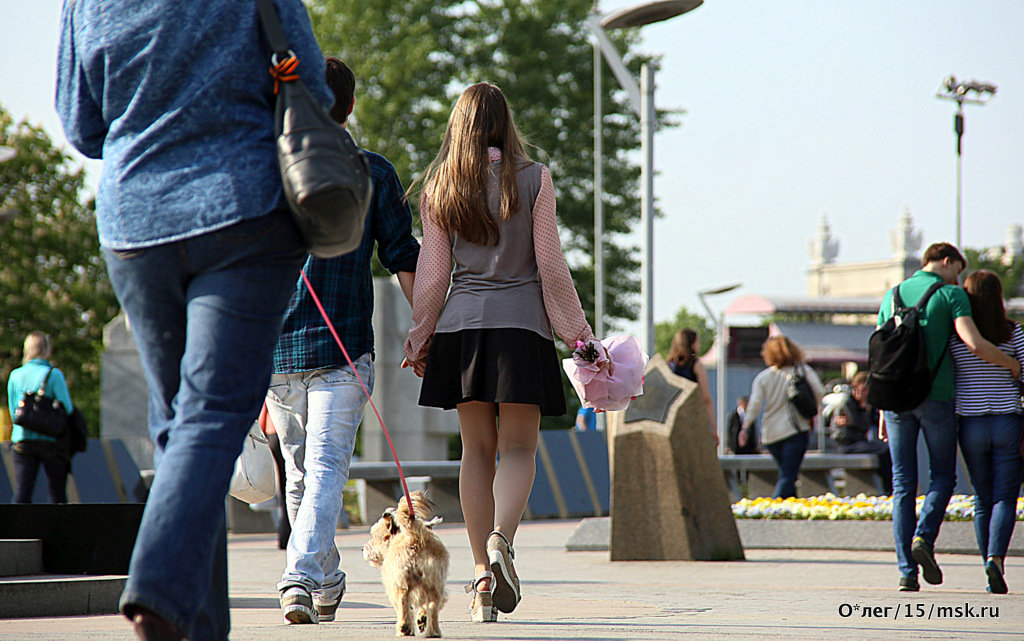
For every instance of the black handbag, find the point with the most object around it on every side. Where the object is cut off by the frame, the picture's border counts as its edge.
(326, 177)
(800, 394)
(40, 413)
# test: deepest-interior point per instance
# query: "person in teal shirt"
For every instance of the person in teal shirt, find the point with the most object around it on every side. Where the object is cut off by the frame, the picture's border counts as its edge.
(948, 310)
(33, 450)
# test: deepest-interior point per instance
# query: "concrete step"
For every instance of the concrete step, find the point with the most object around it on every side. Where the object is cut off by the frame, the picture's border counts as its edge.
(19, 557)
(53, 595)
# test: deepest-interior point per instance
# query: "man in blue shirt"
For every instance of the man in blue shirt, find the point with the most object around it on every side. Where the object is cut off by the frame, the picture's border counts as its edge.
(176, 98)
(315, 400)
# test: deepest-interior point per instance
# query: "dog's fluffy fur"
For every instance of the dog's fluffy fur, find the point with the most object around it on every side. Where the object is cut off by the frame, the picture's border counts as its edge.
(413, 564)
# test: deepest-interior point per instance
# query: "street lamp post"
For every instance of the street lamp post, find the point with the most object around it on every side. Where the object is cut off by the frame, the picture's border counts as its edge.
(971, 92)
(641, 100)
(721, 356)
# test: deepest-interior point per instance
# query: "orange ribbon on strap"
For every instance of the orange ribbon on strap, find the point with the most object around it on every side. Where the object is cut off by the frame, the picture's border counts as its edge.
(284, 71)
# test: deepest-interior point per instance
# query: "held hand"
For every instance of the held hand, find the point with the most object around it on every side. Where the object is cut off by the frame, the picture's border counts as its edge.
(418, 367)
(842, 420)
(743, 437)
(883, 434)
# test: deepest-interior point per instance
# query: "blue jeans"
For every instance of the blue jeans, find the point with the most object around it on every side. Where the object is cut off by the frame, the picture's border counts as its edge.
(788, 454)
(937, 420)
(316, 415)
(989, 444)
(205, 313)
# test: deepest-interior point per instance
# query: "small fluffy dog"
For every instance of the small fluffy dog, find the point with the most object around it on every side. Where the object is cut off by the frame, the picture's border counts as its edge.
(413, 564)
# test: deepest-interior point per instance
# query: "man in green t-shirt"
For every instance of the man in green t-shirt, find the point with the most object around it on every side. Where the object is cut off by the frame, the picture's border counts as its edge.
(948, 310)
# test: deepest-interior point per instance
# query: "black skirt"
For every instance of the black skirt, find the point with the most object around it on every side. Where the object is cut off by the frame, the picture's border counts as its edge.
(494, 366)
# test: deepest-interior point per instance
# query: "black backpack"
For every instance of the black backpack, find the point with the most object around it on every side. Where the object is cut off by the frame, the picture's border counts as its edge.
(899, 378)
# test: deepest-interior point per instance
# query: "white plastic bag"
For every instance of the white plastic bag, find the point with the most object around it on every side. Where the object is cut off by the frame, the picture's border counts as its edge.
(255, 477)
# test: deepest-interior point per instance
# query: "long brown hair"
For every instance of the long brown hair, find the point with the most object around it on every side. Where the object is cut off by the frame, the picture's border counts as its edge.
(985, 292)
(779, 351)
(681, 349)
(455, 184)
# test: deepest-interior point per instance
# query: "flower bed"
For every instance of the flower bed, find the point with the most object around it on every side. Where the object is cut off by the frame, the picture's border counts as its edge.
(848, 508)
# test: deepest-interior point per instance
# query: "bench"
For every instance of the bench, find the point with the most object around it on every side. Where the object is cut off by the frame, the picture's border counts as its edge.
(572, 479)
(818, 474)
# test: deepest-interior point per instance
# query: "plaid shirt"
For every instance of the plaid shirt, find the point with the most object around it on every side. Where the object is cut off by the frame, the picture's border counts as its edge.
(345, 284)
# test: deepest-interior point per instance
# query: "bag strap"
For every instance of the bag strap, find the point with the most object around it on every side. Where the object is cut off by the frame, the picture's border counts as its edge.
(272, 27)
(46, 379)
(927, 294)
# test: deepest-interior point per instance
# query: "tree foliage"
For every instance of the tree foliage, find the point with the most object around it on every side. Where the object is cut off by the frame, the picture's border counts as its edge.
(52, 276)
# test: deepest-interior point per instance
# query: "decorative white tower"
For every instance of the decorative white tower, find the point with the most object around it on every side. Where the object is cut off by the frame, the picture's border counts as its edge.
(823, 247)
(905, 240)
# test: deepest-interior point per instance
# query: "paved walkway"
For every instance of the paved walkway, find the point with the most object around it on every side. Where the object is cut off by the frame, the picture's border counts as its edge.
(774, 594)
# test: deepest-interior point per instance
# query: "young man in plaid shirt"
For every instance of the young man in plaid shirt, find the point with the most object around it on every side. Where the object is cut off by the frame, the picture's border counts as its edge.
(315, 400)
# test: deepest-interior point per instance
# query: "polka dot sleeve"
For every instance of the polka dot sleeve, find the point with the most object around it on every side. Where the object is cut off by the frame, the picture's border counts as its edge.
(561, 302)
(430, 289)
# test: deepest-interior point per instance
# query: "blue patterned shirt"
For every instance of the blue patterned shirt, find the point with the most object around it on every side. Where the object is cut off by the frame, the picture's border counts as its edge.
(345, 284)
(176, 98)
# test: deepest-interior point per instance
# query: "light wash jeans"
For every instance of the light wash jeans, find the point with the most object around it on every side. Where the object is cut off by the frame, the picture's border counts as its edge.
(316, 415)
(938, 422)
(989, 444)
(205, 313)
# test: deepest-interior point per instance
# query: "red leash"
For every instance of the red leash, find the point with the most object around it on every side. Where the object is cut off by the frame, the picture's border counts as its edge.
(330, 326)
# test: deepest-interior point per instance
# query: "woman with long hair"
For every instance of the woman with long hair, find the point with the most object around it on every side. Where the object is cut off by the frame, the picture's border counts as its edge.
(682, 360)
(484, 345)
(33, 450)
(988, 406)
(783, 431)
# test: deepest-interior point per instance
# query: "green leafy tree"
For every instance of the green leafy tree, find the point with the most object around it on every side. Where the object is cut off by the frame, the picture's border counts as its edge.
(663, 332)
(52, 276)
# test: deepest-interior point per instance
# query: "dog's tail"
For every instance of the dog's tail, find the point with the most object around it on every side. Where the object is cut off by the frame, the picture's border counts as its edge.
(422, 508)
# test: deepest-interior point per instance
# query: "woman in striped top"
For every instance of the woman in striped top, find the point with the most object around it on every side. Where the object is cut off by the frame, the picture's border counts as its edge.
(988, 405)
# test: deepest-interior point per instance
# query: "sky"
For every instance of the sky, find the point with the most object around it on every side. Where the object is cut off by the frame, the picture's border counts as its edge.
(795, 110)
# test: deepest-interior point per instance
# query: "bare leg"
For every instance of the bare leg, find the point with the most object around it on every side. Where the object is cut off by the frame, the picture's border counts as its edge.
(479, 429)
(517, 445)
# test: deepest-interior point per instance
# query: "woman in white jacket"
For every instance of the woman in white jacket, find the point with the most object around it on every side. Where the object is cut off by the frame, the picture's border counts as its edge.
(783, 431)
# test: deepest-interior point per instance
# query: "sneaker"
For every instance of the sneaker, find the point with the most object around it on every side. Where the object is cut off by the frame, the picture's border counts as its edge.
(505, 589)
(923, 553)
(326, 610)
(996, 582)
(909, 584)
(481, 608)
(297, 605)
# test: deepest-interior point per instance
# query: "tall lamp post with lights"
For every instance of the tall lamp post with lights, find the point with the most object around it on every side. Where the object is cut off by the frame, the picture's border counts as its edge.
(970, 92)
(641, 100)
(721, 356)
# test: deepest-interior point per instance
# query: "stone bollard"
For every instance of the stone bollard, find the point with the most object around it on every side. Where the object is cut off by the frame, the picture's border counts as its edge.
(669, 500)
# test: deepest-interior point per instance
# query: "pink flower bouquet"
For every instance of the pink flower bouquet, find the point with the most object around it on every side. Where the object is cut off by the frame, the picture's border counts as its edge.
(608, 374)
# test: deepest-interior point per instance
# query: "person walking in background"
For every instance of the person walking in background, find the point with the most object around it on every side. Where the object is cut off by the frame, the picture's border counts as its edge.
(749, 444)
(33, 450)
(315, 399)
(947, 311)
(490, 353)
(586, 420)
(682, 360)
(201, 252)
(988, 405)
(783, 431)
(852, 421)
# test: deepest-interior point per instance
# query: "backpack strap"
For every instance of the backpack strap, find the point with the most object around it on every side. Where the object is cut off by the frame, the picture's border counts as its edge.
(920, 308)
